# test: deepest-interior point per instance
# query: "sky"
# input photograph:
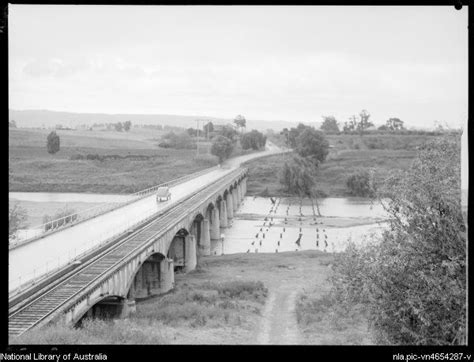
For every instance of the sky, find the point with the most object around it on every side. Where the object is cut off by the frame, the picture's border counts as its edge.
(292, 63)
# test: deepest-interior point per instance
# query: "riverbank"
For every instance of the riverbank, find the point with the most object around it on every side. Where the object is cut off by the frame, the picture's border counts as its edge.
(349, 153)
(257, 305)
(332, 174)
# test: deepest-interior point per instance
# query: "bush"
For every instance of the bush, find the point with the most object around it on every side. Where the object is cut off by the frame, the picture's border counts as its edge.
(76, 156)
(52, 143)
(360, 183)
(16, 219)
(413, 282)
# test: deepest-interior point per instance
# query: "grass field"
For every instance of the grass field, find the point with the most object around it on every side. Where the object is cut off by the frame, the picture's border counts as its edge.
(224, 301)
(32, 169)
(349, 153)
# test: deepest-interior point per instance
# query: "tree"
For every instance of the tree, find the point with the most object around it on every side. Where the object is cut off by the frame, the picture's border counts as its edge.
(351, 125)
(286, 135)
(118, 126)
(127, 125)
(222, 147)
(330, 125)
(208, 128)
(364, 121)
(254, 139)
(298, 176)
(395, 124)
(413, 282)
(52, 142)
(240, 122)
(16, 220)
(312, 144)
(229, 132)
(12, 124)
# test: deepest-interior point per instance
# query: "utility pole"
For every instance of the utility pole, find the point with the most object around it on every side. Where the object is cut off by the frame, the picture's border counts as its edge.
(197, 137)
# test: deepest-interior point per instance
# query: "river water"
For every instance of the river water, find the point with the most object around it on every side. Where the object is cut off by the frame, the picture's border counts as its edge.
(259, 225)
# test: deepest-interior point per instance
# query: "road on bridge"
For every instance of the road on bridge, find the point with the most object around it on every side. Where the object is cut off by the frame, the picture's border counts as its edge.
(53, 251)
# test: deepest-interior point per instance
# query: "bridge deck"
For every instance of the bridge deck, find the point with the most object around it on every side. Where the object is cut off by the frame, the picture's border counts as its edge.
(58, 249)
(59, 297)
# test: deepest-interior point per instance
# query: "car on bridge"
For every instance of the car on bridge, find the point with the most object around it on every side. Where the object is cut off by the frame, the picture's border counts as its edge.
(163, 194)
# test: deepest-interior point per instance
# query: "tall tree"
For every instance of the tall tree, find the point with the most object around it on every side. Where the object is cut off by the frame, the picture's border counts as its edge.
(52, 143)
(330, 125)
(364, 121)
(394, 124)
(127, 125)
(351, 125)
(222, 147)
(240, 122)
(313, 145)
(208, 128)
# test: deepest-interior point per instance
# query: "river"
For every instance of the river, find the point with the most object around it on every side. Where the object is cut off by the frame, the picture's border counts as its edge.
(327, 229)
(292, 224)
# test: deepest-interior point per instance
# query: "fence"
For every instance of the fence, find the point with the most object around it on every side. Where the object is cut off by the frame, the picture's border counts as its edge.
(38, 231)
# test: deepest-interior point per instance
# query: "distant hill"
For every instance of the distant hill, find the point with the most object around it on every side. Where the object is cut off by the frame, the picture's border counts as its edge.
(49, 119)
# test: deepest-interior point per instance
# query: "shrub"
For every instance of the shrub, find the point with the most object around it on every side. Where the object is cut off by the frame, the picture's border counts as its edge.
(413, 282)
(360, 183)
(16, 219)
(76, 156)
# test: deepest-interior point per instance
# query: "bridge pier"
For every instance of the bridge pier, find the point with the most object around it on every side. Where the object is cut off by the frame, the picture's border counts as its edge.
(167, 275)
(128, 307)
(154, 277)
(223, 215)
(239, 192)
(230, 206)
(235, 200)
(215, 224)
(205, 245)
(190, 253)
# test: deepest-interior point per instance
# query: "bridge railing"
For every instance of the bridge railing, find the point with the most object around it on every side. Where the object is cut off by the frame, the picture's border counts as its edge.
(17, 284)
(25, 236)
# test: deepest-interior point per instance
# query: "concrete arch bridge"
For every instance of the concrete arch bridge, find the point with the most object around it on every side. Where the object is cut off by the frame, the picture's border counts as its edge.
(136, 265)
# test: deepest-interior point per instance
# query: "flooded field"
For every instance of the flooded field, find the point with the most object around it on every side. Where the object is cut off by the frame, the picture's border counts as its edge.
(265, 225)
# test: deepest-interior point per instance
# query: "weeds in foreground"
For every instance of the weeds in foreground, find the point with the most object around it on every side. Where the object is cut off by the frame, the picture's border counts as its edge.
(96, 331)
(210, 303)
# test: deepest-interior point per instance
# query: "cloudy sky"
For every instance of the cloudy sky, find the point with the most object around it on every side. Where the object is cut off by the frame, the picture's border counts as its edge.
(272, 63)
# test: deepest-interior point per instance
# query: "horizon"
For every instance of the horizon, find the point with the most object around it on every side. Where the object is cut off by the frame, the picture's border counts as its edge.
(216, 118)
(266, 63)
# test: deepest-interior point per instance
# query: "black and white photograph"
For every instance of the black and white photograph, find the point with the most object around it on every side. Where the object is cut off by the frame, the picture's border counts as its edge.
(237, 175)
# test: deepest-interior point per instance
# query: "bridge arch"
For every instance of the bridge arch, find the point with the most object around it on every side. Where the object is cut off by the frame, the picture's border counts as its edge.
(104, 307)
(174, 246)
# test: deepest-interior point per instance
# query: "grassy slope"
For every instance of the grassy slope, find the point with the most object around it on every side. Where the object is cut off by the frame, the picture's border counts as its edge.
(218, 303)
(31, 168)
(349, 154)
